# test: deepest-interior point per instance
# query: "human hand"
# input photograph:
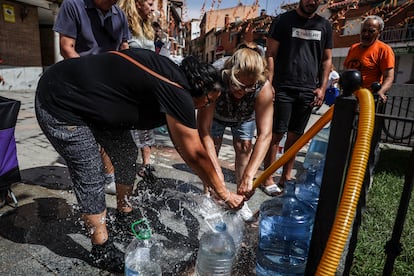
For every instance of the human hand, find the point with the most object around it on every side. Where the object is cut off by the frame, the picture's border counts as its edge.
(246, 188)
(231, 200)
(235, 201)
(319, 96)
(383, 97)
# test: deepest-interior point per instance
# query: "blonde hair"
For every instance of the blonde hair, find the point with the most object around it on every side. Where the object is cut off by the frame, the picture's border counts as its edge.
(245, 61)
(138, 26)
(251, 45)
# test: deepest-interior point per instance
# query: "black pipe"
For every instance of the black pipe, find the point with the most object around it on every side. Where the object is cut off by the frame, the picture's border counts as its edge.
(393, 247)
(341, 139)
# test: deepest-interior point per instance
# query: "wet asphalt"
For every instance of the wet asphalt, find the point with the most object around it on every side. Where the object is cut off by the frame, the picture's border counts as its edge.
(43, 235)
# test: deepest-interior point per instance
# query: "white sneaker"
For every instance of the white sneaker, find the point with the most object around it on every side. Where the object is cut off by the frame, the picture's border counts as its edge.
(110, 187)
(245, 213)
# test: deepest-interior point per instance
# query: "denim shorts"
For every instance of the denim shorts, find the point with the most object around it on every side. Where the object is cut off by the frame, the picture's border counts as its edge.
(243, 131)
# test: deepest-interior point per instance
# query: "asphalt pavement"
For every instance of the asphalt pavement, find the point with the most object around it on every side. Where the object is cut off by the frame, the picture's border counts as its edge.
(44, 236)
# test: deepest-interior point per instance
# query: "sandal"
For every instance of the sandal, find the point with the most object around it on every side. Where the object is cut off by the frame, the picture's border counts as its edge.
(272, 190)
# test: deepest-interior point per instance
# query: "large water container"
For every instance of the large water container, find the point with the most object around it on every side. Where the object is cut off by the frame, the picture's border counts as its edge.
(316, 153)
(284, 235)
(235, 227)
(214, 213)
(216, 252)
(308, 191)
(319, 174)
(141, 253)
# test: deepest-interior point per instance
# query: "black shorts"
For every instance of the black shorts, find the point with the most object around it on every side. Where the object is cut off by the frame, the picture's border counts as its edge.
(292, 110)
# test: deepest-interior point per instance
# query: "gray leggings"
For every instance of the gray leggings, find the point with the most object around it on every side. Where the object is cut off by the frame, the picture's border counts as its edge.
(78, 145)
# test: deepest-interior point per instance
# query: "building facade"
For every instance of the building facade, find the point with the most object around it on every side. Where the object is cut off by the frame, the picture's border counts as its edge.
(216, 20)
(346, 17)
(28, 43)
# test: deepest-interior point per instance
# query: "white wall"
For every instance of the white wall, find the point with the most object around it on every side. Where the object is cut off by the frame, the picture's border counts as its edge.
(405, 65)
(21, 78)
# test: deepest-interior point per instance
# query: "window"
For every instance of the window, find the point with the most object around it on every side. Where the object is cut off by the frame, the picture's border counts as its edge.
(352, 26)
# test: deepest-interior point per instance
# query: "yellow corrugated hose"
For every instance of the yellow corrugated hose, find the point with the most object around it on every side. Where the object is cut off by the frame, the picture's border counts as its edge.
(353, 184)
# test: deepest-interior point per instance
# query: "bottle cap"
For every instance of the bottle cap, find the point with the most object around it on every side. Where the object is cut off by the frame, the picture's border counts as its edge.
(221, 226)
(143, 234)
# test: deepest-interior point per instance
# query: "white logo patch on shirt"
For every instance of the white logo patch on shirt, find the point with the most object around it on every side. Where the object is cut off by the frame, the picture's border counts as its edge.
(306, 34)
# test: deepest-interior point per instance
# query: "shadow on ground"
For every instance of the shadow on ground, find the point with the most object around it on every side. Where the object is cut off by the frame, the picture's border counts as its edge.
(174, 209)
(50, 177)
(49, 222)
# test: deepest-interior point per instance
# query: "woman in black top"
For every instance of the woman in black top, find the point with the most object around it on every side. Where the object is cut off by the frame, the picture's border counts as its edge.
(99, 99)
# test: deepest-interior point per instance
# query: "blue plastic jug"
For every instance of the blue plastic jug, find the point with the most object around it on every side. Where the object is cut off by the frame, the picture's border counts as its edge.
(284, 234)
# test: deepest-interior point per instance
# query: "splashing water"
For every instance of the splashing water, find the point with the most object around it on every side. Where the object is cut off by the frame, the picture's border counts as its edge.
(179, 214)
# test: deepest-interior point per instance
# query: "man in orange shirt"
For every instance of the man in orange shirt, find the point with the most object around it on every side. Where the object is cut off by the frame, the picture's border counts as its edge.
(375, 60)
(372, 57)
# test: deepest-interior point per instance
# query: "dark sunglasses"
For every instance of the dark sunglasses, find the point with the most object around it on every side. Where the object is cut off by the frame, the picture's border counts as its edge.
(247, 89)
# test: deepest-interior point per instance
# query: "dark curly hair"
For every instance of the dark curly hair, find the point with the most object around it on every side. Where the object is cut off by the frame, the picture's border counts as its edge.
(202, 77)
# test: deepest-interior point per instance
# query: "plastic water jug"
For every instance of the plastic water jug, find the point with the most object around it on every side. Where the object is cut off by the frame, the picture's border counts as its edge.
(235, 227)
(308, 191)
(141, 252)
(316, 153)
(284, 235)
(319, 174)
(216, 252)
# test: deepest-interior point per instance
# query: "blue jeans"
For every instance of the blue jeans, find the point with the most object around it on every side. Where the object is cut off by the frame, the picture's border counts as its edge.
(242, 131)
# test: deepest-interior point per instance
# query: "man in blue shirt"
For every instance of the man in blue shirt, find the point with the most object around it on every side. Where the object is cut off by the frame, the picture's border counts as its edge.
(90, 27)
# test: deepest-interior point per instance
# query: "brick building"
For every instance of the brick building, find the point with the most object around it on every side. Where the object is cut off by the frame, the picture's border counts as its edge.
(27, 41)
(346, 17)
(28, 44)
(192, 29)
(216, 20)
(254, 29)
(19, 29)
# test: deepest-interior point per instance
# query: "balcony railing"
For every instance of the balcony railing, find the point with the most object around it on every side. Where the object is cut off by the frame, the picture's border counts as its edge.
(403, 34)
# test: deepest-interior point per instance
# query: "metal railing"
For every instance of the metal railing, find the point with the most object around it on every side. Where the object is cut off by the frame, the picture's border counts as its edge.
(393, 34)
(398, 117)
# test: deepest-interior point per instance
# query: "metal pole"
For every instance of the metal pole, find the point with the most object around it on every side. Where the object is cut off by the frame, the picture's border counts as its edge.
(393, 247)
(341, 139)
(56, 44)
